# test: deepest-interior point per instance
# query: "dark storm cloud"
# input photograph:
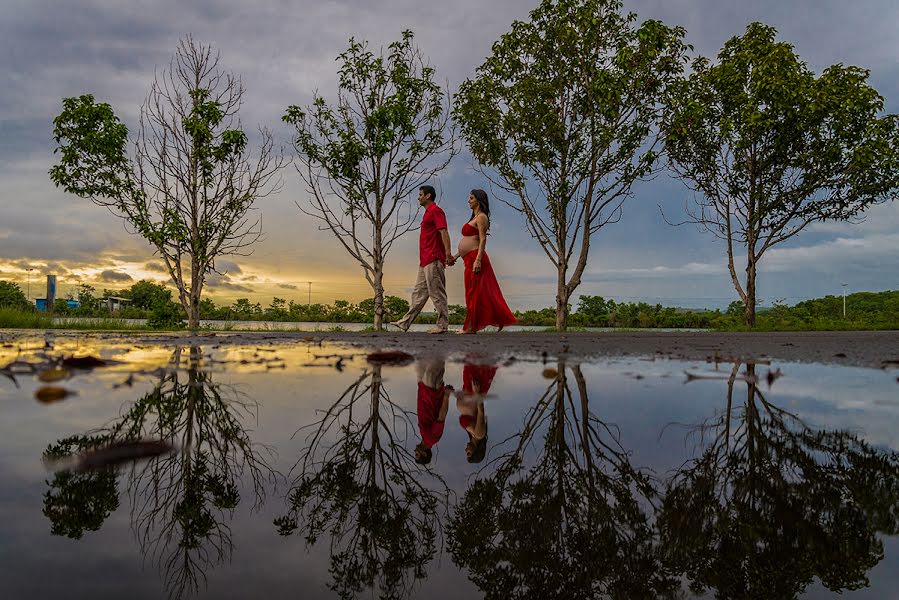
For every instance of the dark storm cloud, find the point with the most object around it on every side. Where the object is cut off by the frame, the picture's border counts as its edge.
(288, 286)
(156, 267)
(114, 277)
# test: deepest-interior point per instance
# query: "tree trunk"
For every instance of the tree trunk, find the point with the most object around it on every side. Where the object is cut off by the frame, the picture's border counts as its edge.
(378, 287)
(193, 309)
(749, 308)
(562, 296)
(377, 282)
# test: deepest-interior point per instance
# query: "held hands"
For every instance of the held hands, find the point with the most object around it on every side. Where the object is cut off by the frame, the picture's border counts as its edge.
(451, 260)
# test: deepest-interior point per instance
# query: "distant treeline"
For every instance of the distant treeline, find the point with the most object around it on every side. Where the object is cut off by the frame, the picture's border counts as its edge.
(864, 310)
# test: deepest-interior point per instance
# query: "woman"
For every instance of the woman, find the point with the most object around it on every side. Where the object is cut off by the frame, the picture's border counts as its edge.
(476, 380)
(484, 303)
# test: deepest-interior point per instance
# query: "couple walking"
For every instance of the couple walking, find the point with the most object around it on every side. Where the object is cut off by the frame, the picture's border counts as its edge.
(484, 303)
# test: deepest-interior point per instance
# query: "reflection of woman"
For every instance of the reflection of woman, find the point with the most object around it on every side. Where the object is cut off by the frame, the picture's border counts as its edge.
(476, 380)
(484, 302)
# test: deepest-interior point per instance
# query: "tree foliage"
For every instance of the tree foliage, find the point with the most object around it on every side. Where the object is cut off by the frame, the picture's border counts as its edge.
(771, 148)
(11, 296)
(561, 117)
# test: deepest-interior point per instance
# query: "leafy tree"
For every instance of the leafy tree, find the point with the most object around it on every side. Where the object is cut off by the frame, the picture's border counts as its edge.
(394, 307)
(89, 304)
(147, 295)
(594, 310)
(561, 118)
(190, 187)
(12, 297)
(770, 505)
(361, 158)
(770, 148)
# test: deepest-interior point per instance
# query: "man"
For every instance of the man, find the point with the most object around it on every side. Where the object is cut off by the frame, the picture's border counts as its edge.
(434, 248)
(433, 404)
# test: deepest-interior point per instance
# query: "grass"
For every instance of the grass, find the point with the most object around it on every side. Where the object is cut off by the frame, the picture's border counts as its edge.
(17, 319)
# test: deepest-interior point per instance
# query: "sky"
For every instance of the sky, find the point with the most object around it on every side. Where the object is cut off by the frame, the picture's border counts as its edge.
(285, 52)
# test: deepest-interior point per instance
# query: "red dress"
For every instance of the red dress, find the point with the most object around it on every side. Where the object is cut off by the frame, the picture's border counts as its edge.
(484, 302)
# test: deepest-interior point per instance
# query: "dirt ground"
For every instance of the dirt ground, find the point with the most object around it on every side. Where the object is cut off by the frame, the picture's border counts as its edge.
(873, 349)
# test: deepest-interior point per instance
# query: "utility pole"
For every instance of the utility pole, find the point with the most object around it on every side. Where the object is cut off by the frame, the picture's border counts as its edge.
(29, 270)
(844, 298)
(309, 301)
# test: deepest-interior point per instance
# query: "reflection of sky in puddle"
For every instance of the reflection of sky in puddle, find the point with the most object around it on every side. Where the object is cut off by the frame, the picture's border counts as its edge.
(642, 429)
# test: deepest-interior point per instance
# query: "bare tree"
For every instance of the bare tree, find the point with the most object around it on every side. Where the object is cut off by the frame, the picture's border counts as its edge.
(388, 134)
(192, 183)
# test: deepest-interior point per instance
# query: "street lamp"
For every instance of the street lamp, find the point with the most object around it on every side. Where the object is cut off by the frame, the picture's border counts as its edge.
(28, 293)
(844, 298)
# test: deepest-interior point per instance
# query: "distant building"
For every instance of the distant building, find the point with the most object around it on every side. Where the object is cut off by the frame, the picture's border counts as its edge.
(41, 303)
(116, 303)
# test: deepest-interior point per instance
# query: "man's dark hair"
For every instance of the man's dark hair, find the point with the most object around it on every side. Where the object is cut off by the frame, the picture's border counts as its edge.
(426, 454)
(429, 190)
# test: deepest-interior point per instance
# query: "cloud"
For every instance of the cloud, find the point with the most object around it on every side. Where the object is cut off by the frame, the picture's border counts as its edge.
(227, 266)
(288, 286)
(156, 267)
(51, 50)
(224, 282)
(114, 277)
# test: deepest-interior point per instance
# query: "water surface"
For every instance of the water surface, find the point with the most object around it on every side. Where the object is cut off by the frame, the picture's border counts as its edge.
(297, 475)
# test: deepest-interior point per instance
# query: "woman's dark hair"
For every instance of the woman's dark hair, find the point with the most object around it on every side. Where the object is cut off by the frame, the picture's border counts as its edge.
(483, 202)
(479, 451)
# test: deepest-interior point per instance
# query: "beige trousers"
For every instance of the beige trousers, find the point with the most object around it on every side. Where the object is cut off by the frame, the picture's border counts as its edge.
(431, 283)
(430, 372)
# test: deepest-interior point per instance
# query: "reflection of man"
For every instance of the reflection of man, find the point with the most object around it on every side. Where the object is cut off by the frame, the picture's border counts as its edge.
(433, 403)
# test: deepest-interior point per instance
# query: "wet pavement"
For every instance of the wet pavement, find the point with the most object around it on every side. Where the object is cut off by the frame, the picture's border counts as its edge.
(315, 469)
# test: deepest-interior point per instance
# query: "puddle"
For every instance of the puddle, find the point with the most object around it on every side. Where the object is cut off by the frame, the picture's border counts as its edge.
(288, 467)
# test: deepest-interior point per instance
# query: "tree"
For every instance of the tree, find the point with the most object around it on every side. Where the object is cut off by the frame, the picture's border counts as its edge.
(568, 518)
(191, 185)
(561, 118)
(12, 297)
(182, 503)
(770, 504)
(360, 486)
(360, 159)
(770, 148)
(147, 295)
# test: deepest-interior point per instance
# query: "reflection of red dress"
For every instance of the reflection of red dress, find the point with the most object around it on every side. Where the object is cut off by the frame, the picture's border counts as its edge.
(483, 375)
(484, 302)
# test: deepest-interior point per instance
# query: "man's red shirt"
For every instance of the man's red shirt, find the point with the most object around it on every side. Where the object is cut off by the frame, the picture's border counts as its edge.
(430, 402)
(430, 242)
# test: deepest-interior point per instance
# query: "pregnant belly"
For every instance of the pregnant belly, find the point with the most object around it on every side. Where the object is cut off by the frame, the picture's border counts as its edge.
(467, 244)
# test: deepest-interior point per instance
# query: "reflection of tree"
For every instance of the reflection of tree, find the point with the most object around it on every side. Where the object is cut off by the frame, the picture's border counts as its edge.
(78, 502)
(571, 525)
(179, 503)
(771, 504)
(360, 485)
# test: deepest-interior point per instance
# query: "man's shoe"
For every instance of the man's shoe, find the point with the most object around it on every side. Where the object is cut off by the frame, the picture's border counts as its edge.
(397, 325)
